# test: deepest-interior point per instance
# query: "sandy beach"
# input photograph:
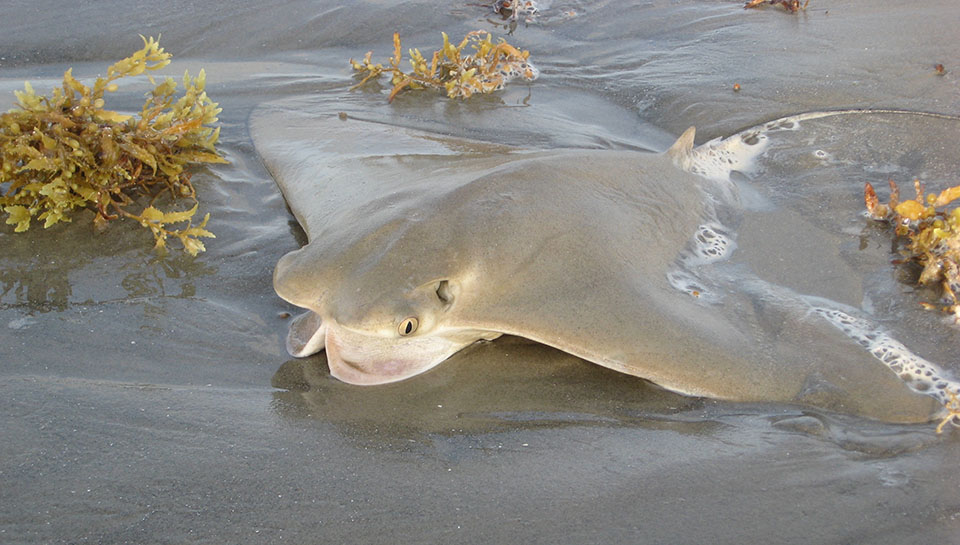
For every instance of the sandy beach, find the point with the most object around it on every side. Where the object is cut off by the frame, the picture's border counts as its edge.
(149, 399)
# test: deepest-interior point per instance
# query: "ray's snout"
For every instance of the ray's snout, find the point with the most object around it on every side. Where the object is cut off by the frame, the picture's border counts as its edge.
(290, 280)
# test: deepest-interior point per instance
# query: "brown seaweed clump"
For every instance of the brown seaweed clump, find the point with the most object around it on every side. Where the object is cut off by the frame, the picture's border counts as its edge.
(451, 69)
(932, 233)
(66, 151)
(792, 6)
(513, 10)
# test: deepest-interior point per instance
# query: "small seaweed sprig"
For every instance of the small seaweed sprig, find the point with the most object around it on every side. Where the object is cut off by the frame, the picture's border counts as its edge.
(792, 6)
(513, 10)
(933, 235)
(451, 69)
(951, 412)
(66, 151)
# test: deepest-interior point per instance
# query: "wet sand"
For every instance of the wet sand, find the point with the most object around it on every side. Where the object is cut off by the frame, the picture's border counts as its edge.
(150, 400)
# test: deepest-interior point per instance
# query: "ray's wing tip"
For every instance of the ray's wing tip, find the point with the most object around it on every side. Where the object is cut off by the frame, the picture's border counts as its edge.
(684, 143)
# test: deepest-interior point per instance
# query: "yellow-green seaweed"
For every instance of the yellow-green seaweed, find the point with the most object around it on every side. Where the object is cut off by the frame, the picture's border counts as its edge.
(66, 151)
(451, 69)
(932, 232)
(952, 414)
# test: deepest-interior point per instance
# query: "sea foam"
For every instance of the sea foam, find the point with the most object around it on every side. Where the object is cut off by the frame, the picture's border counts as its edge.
(713, 242)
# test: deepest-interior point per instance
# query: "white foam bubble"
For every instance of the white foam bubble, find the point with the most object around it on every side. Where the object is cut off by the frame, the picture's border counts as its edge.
(712, 243)
(921, 376)
(684, 281)
(717, 159)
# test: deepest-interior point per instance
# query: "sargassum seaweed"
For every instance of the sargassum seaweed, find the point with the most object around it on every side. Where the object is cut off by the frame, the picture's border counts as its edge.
(66, 151)
(451, 68)
(793, 6)
(932, 233)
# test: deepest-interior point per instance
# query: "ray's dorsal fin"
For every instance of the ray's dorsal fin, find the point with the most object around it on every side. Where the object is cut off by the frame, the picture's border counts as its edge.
(682, 147)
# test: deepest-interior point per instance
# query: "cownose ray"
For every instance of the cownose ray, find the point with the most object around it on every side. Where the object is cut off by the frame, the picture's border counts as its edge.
(421, 244)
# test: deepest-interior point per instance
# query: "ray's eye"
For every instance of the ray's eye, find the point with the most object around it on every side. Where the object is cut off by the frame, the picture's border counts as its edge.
(408, 326)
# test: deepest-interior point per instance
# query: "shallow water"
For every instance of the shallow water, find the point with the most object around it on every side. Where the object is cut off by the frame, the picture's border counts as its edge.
(150, 399)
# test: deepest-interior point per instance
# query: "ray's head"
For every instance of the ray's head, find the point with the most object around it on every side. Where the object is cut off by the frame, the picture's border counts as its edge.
(380, 319)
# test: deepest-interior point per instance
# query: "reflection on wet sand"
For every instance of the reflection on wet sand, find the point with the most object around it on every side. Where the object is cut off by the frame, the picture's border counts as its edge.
(513, 384)
(41, 282)
(489, 386)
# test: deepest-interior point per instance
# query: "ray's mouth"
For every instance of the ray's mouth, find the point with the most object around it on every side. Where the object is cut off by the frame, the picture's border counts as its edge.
(369, 359)
(352, 370)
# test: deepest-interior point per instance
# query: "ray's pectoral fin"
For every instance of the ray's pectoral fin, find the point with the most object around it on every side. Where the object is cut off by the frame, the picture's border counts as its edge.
(329, 169)
(306, 336)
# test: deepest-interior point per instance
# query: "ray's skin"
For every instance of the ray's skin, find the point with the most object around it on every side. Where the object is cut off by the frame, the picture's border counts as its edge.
(422, 250)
